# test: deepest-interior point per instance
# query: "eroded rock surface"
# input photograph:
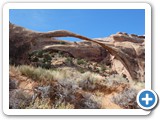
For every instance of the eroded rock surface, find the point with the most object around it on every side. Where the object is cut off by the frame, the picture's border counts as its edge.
(126, 52)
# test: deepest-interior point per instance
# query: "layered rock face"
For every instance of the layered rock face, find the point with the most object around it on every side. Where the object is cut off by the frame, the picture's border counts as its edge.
(125, 53)
(131, 54)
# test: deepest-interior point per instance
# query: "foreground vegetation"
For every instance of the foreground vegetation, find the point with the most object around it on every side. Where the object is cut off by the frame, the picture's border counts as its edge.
(60, 81)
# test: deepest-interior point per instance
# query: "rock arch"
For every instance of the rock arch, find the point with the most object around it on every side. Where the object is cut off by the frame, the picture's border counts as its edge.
(21, 41)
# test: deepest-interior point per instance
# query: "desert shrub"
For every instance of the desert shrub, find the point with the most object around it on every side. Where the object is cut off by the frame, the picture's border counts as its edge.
(109, 85)
(71, 74)
(59, 54)
(45, 62)
(87, 101)
(80, 61)
(39, 53)
(41, 104)
(138, 85)
(97, 70)
(90, 81)
(126, 99)
(91, 76)
(81, 70)
(46, 65)
(62, 42)
(47, 57)
(69, 61)
(95, 82)
(64, 105)
(103, 67)
(18, 99)
(118, 78)
(41, 59)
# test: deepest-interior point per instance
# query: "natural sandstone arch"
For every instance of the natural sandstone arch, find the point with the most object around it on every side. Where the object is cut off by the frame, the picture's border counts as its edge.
(21, 41)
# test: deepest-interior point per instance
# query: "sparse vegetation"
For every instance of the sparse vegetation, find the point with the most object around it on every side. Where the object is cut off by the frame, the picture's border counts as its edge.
(40, 104)
(103, 67)
(69, 61)
(80, 61)
(41, 59)
(90, 80)
(64, 105)
(62, 42)
(127, 99)
(37, 74)
(75, 83)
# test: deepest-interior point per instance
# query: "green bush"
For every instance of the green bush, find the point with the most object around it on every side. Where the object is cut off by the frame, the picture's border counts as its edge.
(62, 42)
(80, 61)
(39, 53)
(69, 61)
(42, 59)
(103, 67)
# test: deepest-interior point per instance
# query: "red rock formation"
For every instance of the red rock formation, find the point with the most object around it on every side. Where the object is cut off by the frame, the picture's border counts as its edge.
(127, 50)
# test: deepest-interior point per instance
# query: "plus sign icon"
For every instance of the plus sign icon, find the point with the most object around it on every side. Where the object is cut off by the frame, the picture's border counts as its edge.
(147, 99)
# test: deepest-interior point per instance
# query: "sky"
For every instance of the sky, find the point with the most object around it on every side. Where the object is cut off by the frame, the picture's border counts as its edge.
(92, 23)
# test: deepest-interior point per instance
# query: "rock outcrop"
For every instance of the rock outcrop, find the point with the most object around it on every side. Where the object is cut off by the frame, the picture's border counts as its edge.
(129, 58)
(23, 41)
(127, 52)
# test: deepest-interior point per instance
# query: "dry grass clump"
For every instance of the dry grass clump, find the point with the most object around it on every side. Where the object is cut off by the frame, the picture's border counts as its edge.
(36, 74)
(118, 78)
(64, 105)
(138, 85)
(68, 73)
(126, 99)
(39, 74)
(41, 104)
(90, 81)
(113, 81)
